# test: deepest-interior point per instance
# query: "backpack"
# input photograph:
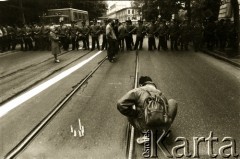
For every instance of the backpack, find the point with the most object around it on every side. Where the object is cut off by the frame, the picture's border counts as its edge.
(155, 110)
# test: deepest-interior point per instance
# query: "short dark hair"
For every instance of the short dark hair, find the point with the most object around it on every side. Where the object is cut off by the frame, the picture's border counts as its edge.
(144, 79)
(109, 20)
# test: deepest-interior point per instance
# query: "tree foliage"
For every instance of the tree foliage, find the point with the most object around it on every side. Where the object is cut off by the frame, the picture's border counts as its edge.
(153, 8)
(10, 11)
(196, 9)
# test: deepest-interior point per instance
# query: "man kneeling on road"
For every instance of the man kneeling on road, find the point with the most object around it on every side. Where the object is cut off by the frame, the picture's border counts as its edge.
(138, 117)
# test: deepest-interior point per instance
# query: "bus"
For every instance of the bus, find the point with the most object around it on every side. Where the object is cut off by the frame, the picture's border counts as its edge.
(65, 15)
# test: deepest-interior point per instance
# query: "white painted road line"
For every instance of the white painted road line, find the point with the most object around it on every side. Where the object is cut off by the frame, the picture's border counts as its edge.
(5, 108)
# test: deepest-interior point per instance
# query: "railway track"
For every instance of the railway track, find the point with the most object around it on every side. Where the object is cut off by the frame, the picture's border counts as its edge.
(130, 129)
(15, 151)
(134, 151)
(38, 68)
(130, 132)
(34, 65)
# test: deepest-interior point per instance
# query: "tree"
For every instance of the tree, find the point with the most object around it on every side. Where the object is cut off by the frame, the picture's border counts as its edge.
(29, 10)
(153, 8)
(196, 9)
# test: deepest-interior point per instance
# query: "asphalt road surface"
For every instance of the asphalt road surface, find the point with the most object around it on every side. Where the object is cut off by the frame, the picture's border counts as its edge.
(206, 89)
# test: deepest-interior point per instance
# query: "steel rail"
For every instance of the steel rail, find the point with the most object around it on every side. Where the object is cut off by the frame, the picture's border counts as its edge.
(36, 64)
(24, 69)
(131, 140)
(35, 131)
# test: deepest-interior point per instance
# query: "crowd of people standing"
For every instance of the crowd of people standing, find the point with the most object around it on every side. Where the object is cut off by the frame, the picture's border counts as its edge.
(211, 34)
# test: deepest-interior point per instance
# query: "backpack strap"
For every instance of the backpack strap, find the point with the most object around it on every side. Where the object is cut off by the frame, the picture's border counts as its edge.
(147, 92)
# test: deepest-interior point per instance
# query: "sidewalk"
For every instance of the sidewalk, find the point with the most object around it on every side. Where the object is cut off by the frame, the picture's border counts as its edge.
(223, 56)
(9, 52)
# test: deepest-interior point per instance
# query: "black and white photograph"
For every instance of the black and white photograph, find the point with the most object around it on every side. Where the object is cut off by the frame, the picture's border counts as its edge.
(126, 79)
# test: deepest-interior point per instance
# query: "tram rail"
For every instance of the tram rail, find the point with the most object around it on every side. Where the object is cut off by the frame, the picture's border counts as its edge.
(15, 151)
(34, 68)
(130, 137)
(130, 129)
(33, 65)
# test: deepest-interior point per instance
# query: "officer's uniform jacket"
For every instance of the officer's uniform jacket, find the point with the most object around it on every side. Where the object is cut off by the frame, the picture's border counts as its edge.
(95, 30)
(151, 30)
(84, 31)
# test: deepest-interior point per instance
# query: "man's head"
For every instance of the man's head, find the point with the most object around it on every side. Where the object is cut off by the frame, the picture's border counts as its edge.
(83, 23)
(94, 22)
(143, 80)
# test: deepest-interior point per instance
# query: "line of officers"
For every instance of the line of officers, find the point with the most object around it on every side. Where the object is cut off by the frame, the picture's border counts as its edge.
(36, 37)
(178, 33)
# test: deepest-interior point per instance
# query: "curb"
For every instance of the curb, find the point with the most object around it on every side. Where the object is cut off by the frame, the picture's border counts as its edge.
(9, 52)
(221, 58)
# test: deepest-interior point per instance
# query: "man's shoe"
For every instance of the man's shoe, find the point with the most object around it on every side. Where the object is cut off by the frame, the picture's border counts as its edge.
(142, 139)
(57, 61)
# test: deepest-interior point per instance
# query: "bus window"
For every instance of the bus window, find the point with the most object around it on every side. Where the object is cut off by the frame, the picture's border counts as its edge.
(67, 14)
(75, 16)
(80, 16)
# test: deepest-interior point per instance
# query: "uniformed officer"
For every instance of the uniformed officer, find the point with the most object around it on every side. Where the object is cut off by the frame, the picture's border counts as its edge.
(197, 32)
(11, 37)
(46, 44)
(104, 38)
(4, 38)
(73, 31)
(115, 28)
(116, 25)
(131, 33)
(128, 37)
(121, 35)
(1, 38)
(85, 30)
(140, 33)
(19, 37)
(209, 34)
(162, 34)
(63, 36)
(95, 31)
(185, 31)
(36, 37)
(28, 38)
(151, 31)
(174, 34)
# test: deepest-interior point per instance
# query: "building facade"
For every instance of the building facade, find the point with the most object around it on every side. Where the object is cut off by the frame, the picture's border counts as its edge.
(128, 13)
(117, 5)
(226, 10)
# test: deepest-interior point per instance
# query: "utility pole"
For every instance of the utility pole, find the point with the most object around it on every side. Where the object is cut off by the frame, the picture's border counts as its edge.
(235, 6)
(22, 12)
(188, 7)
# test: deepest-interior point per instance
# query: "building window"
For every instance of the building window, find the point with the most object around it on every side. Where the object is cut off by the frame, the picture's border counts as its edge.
(128, 18)
(133, 11)
(128, 11)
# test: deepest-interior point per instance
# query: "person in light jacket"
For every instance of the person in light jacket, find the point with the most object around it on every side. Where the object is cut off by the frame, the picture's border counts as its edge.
(55, 43)
(137, 97)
